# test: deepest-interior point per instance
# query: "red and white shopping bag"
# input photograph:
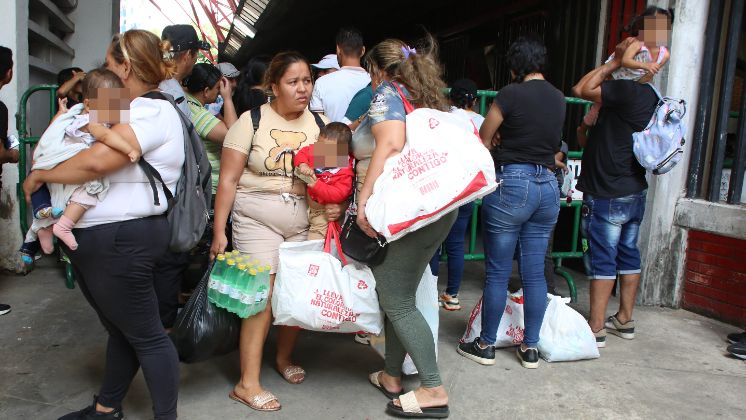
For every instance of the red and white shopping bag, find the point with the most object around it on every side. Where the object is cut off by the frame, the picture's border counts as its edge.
(315, 291)
(442, 166)
(510, 331)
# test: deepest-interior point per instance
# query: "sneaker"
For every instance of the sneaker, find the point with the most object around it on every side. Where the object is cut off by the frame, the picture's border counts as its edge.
(4, 309)
(363, 339)
(529, 358)
(30, 252)
(738, 350)
(737, 337)
(90, 413)
(448, 302)
(472, 351)
(600, 338)
(626, 331)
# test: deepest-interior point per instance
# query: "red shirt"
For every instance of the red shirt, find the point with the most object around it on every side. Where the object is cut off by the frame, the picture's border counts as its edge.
(334, 185)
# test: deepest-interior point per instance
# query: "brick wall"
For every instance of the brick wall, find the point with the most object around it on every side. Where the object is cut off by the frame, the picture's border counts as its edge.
(715, 282)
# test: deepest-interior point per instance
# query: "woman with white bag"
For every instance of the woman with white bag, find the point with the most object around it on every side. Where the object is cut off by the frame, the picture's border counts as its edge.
(529, 114)
(394, 66)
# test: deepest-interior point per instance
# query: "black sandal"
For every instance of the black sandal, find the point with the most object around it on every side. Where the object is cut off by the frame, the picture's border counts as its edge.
(373, 378)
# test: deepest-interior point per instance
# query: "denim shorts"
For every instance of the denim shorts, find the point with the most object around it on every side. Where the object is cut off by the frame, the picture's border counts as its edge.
(611, 227)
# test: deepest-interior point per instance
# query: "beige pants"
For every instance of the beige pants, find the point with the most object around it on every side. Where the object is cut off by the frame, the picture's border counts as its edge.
(318, 223)
(263, 221)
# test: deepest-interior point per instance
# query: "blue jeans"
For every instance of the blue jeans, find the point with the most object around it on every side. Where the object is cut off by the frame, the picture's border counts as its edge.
(41, 199)
(454, 245)
(523, 208)
(612, 226)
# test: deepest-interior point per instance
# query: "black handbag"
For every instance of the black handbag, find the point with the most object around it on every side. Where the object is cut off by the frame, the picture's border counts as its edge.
(357, 245)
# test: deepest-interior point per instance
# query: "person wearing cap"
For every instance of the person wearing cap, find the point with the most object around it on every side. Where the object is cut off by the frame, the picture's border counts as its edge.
(184, 47)
(327, 64)
(332, 93)
(231, 73)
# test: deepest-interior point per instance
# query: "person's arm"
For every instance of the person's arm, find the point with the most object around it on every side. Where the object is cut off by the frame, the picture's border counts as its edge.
(66, 87)
(95, 162)
(628, 59)
(390, 137)
(114, 140)
(229, 109)
(488, 131)
(232, 164)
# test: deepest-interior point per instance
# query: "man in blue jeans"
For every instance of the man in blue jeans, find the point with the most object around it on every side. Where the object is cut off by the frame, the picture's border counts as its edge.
(614, 186)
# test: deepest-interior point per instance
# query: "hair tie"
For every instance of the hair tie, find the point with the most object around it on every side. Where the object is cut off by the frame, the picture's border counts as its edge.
(168, 55)
(407, 51)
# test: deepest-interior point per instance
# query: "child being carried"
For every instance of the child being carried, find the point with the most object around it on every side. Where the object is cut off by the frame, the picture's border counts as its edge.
(105, 102)
(326, 166)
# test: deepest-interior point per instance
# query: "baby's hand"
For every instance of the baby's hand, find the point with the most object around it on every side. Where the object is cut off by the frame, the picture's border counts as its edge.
(653, 68)
(134, 156)
(62, 105)
(305, 169)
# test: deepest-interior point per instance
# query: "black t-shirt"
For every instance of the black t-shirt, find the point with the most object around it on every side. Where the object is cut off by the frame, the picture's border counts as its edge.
(533, 115)
(610, 169)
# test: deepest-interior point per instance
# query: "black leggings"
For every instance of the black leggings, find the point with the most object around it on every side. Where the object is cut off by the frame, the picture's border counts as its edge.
(114, 266)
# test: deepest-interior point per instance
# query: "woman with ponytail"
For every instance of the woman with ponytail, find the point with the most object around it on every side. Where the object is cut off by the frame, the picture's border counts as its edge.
(122, 237)
(415, 72)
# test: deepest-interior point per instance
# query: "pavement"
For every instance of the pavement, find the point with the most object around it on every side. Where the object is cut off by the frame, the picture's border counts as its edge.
(52, 351)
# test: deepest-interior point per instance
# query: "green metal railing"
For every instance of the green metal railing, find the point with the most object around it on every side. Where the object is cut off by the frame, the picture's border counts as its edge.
(575, 250)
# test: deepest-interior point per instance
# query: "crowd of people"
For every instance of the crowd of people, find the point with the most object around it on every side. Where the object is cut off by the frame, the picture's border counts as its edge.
(294, 145)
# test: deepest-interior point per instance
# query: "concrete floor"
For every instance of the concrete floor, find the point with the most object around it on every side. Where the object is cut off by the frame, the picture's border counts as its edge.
(52, 348)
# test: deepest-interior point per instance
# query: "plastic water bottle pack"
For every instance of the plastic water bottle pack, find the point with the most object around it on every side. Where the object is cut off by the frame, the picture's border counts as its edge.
(239, 284)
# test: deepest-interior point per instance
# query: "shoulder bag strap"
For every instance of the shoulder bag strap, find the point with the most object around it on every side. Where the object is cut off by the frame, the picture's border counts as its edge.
(407, 105)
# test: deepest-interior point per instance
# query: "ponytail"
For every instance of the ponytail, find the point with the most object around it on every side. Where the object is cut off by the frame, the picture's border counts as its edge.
(150, 58)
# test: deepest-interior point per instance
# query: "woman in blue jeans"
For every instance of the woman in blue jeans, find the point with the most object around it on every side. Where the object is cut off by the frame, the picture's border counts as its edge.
(529, 114)
(463, 96)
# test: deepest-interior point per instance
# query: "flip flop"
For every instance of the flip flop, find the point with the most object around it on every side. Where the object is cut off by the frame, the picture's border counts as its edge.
(373, 378)
(258, 401)
(411, 408)
(291, 371)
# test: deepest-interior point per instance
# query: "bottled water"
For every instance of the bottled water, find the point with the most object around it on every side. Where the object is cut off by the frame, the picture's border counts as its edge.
(226, 285)
(216, 278)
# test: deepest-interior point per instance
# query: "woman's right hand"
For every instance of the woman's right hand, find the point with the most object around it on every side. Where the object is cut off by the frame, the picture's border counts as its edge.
(219, 243)
(362, 221)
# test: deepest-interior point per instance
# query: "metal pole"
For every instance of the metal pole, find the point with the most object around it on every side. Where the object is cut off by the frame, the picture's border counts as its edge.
(704, 105)
(726, 94)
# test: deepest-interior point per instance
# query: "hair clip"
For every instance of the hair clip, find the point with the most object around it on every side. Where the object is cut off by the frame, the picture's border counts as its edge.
(407, 50)
(168, 55)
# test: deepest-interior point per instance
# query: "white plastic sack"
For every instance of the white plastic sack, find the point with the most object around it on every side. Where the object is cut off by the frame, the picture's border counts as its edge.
(442, 166)
(565, 335)
(315, 292)
(426, 300)
(511, 328)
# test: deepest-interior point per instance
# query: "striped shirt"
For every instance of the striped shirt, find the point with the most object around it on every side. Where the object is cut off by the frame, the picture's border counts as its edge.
(204, 122)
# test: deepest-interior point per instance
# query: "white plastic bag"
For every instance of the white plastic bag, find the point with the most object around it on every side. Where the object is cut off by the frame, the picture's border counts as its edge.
(314, 291)
(565, 335)
(511, 328)
(426, 300)
(442, 166)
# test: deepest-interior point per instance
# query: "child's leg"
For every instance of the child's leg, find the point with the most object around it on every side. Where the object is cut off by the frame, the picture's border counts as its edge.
(45, 239)
(318, 224)
(63, 228)
(41, 202)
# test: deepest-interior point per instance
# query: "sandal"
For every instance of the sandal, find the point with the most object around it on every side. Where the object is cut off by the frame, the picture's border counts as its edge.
(258, 401)
(292, 372)
(374, 379)
(411, 408)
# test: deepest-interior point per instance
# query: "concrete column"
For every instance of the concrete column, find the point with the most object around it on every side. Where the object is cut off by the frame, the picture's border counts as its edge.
(662, 243)
(14, 21)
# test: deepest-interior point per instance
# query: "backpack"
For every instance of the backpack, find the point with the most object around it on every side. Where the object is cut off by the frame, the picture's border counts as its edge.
(659, 147)
(189, 205)
(256, 115)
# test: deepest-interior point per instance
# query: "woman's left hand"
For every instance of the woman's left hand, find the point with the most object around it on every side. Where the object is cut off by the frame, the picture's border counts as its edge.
(32, 184)
(333, 212)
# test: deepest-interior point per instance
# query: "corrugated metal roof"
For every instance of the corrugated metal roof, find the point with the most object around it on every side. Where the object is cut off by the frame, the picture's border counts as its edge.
(243, 26)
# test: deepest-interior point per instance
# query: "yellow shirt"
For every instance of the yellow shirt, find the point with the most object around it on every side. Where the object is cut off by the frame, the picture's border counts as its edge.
(271, 149)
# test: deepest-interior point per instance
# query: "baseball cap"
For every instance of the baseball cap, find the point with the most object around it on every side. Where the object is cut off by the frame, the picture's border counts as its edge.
(464, 87)
(329, 61)
(229, 70)
(183, 38)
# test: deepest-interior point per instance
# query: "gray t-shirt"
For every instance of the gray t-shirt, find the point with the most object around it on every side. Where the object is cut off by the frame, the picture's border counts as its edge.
(173, 88)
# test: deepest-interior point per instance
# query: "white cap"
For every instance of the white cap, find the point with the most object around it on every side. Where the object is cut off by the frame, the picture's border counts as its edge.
(328, 62)
(229, 70)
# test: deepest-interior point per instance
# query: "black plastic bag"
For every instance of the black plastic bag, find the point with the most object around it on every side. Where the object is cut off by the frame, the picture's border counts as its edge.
(202, 330)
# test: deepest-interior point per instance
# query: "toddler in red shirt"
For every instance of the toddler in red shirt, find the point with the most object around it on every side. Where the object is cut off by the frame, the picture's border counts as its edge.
(326, 167)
